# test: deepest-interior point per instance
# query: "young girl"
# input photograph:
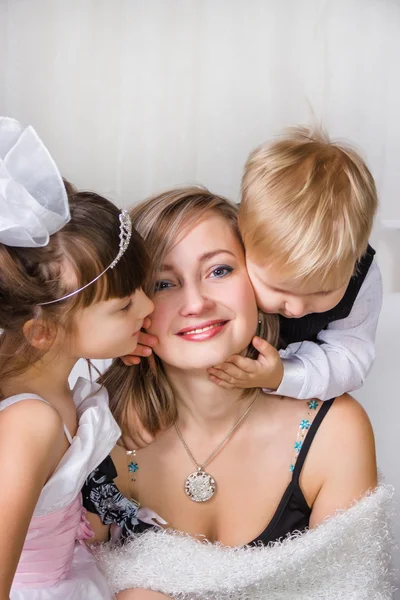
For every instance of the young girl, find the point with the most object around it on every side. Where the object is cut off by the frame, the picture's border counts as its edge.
(71, 273)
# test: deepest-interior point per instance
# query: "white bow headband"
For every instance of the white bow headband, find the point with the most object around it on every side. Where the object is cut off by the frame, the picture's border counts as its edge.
(33, 199)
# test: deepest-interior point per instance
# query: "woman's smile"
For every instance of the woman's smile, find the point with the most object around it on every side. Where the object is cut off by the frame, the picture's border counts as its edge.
(203, 331)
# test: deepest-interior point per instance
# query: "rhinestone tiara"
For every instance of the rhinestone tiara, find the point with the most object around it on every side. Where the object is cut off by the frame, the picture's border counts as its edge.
(125, 234)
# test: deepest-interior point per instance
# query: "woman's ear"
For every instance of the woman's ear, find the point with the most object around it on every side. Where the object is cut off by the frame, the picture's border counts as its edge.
(39, 334)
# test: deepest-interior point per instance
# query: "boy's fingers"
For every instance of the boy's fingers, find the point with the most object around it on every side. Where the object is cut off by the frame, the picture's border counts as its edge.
(227, 372)
(262, 346)
(221, 383)
(244, 364)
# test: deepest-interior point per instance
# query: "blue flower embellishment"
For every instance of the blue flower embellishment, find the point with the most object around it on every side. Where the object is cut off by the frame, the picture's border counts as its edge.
(298, 445)
(133, 467)
(305, 424)
(291, 468)
(313, 405)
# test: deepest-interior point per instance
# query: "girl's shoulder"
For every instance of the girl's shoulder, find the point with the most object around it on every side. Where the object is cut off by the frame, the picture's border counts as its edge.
(31, 443)
(30, 417)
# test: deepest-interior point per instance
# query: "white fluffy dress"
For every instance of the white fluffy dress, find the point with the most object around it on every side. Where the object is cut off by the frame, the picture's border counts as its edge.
(347, 557)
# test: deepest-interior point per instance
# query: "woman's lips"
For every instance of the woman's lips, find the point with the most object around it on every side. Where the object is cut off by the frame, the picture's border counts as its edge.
(202, 332)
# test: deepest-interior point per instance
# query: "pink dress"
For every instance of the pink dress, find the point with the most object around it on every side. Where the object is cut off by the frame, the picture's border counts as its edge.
(55, 563)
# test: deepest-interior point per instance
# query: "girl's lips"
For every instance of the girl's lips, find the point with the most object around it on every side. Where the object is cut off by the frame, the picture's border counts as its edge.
(202, 332)
(137, 332)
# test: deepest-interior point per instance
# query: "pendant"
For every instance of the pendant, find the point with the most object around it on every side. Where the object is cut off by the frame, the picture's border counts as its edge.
(200, 486)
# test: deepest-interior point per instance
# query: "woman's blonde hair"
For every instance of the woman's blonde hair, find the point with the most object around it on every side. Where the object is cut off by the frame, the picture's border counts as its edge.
(161, 221)
(308, 205)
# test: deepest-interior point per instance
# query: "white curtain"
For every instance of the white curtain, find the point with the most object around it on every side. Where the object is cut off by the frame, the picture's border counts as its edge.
(136, 95)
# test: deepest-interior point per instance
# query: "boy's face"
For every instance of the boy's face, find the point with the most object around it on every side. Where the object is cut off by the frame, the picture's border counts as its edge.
(293, 299)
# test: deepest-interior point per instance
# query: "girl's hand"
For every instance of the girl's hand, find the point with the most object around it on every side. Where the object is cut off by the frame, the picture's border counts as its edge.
(146, 342)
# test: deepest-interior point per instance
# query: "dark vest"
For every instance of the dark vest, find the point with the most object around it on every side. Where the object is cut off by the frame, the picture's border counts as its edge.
(308, 327)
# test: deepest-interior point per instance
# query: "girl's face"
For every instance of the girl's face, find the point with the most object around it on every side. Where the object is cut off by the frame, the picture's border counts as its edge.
(204, 305)
(110, 328)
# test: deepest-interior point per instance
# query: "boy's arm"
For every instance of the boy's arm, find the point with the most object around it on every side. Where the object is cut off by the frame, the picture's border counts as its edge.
(345, 353)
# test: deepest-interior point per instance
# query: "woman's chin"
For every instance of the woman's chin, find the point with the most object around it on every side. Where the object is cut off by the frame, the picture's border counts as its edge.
(203, 359)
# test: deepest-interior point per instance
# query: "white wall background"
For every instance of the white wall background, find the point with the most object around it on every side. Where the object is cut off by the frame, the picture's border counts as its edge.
(133, 96)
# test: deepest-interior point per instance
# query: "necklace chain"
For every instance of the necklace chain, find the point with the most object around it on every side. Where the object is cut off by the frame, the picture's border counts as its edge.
(220, 445)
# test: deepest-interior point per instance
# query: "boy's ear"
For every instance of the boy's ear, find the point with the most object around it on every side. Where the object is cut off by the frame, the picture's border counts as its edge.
(39, 334)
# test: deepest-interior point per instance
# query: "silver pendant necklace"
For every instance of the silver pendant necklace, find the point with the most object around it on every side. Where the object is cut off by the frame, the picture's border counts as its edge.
(200, 486)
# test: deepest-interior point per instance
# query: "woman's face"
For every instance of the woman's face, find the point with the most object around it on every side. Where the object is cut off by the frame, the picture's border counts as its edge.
(204, 305)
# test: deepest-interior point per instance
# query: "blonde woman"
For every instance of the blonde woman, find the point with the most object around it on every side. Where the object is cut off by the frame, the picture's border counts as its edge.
(239, 469)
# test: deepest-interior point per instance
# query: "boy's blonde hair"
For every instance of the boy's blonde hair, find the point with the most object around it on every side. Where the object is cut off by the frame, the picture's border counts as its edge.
(308, 206)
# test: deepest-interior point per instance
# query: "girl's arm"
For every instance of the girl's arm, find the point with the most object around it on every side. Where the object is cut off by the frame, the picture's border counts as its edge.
(140, 595)
(345, 448)
(101, 531)
(32, 442)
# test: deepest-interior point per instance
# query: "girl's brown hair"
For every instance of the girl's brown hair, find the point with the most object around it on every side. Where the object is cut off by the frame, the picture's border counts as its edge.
(162, 220)
(29, 276)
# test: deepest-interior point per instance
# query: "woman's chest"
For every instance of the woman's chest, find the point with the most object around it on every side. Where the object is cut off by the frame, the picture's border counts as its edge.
(248, 490)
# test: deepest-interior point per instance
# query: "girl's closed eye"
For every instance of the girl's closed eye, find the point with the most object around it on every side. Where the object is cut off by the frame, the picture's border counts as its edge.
(127, 306)
(221, 271)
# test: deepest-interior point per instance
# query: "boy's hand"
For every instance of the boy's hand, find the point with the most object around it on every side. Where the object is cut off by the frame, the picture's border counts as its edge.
(144, 348)
(243, 373)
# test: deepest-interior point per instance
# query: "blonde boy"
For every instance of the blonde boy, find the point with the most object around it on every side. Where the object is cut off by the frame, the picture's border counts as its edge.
(306, 216)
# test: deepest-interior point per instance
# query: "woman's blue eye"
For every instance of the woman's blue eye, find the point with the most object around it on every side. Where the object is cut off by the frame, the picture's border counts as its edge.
(162, 285)
(221, 271)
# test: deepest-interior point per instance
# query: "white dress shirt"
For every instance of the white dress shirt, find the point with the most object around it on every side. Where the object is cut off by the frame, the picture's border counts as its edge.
(342, 359)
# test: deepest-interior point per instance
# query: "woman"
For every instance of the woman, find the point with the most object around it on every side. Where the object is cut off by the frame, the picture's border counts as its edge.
(233, 467)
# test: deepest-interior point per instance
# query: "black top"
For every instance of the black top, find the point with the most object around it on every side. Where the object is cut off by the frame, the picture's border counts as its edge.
(308, 327)
(293, 513)
(102, 497)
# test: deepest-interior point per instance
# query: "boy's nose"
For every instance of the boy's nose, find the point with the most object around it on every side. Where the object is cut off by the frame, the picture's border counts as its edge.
(296, 308)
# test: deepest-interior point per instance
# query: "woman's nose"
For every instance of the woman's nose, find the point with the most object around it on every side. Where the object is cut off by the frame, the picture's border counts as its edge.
(195, 301)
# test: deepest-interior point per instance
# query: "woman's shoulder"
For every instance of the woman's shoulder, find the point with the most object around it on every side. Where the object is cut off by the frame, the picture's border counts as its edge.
(343, 458)
(348, 415)
(345, 448)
